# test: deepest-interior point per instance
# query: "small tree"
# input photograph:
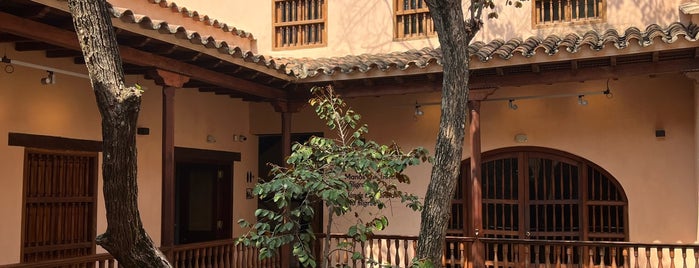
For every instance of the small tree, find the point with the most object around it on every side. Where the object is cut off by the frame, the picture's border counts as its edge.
(318, 171)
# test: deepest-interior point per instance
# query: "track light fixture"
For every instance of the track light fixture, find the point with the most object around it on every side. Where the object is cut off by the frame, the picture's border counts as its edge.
(512, 105)
(582, 101)
(9, 68)
(418, 110)
(49, 79)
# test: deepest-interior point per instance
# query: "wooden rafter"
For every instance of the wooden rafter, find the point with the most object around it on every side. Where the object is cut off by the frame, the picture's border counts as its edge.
(67, 39)
(359, 88)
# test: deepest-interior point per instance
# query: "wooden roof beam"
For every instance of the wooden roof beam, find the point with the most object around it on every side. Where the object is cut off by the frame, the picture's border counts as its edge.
(170, 38)
(63, 53)
(67, 39)
(34, 46)
(524, 79)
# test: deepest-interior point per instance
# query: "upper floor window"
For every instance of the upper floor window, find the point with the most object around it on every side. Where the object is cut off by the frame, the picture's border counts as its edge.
(413, 19)
(300, 23)
(547, 12)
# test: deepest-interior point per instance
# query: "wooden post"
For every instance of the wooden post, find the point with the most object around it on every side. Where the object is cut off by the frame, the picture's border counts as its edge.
(694, 76)
(169, 81)
(286, 109)
(474, 109)
(477, 250)
(286, 135)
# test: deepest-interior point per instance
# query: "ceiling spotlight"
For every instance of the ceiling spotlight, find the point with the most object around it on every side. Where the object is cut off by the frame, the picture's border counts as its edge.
(582, 101)
(512, 104)
(607, 92)
(418, 110)
(49, 79)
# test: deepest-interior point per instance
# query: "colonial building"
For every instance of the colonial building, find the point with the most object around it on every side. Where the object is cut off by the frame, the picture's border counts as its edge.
(584, 125)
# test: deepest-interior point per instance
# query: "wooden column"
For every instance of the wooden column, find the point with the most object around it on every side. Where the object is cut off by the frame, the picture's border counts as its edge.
(477, 251)
(286, 109)
(169, 81)
(286, 135)
(474, 109)
(694, 76)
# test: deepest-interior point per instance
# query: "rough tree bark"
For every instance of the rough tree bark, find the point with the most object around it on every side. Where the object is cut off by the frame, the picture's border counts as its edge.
(119, 105)
(455, 35)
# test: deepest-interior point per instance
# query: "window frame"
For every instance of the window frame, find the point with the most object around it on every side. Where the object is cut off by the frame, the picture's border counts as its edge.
(277, 43)
(567, 10)
(587, 170)
(398, 11)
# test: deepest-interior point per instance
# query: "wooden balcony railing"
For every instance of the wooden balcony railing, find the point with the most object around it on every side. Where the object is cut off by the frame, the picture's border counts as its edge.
(103, 260)
(220, 253)
(398, 251)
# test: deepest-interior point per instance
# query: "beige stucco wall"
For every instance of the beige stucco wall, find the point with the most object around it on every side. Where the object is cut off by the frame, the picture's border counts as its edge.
(617, 134)
(28, 107)
(68, 109)
(356, 27)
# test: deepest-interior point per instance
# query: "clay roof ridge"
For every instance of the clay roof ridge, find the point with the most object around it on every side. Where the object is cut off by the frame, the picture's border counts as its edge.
(195, 15)
(179, 31)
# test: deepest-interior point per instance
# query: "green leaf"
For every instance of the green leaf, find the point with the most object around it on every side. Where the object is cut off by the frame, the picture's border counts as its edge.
(318, 171)
(357, 256)
(378, 225)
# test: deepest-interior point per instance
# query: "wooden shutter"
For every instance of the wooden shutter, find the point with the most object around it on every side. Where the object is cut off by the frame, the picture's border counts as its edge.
(59, 204)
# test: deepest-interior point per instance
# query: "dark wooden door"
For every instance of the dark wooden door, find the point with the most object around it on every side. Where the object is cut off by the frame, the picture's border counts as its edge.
(204, 202)
(59, 204)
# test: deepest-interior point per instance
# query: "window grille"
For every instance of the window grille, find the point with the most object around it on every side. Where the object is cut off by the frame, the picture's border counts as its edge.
(412, 19)
(544, 195)
(567, 11)
(300, 23)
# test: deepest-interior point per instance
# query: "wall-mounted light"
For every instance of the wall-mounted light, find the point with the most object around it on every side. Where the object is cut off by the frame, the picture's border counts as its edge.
(240, 138)
(582, 101)
(512, 105)
(660, 133)
(521, 138)
(143, 131)
(49, 79)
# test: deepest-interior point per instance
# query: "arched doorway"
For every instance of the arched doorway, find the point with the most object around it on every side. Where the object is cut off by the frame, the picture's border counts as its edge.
(542, 193)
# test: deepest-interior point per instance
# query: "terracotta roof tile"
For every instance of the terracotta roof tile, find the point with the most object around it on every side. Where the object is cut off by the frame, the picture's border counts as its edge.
(179, 31)
(310, 67)
(484, 52)
(205, 19)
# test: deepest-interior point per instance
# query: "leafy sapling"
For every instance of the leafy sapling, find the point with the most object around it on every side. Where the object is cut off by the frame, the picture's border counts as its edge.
(319, 170)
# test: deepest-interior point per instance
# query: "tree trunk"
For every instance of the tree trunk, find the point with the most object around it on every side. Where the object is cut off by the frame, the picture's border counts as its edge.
(454, 38)
(119, 105)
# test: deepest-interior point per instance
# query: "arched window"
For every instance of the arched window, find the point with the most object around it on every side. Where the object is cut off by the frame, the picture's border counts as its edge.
(540, 193)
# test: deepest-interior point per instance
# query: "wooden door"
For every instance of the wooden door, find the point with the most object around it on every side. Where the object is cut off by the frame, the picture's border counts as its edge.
(204, 202)
(59, 204)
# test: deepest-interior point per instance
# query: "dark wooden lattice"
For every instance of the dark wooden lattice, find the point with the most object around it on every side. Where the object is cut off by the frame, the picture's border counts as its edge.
(59, 205)
(543, 194)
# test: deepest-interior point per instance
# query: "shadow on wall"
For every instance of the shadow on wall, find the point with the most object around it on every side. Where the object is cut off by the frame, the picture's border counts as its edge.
(376, 35)
(620, 15)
